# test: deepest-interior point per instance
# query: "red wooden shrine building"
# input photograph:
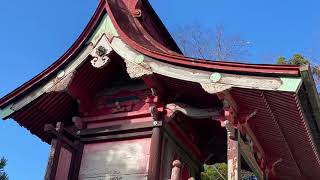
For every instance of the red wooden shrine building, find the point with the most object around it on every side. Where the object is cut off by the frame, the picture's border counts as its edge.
(124, 103)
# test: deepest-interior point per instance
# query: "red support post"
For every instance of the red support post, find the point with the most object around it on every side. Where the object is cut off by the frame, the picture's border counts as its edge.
(155, 154)
(234, 165)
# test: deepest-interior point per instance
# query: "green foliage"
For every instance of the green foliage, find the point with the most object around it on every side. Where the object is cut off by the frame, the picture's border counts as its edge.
(3, 175)
(215, 172)
(299, 60)
(281, 60)
(220, 171)
(296, 59)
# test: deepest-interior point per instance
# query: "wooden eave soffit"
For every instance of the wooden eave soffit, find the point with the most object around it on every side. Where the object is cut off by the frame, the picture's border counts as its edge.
(106, 39)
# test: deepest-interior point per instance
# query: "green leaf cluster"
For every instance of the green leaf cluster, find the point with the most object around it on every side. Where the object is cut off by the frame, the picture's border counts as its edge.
(215, 172)
(299, 60)
(219, 171)
(3, 175)
(296, 59)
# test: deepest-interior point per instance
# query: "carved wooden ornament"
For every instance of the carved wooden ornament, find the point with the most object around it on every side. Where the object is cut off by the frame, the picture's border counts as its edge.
(213, 88)
(136, 71)
(192, 112)
(100, 53)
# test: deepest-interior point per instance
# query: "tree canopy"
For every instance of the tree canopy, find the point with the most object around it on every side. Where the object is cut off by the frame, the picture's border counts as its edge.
(300, 60)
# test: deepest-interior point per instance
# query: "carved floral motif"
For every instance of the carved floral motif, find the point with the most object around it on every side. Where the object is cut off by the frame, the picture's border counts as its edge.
(137, 70)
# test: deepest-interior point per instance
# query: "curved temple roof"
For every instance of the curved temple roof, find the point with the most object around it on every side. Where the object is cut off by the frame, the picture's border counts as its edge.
(285, 97)
(136, 35)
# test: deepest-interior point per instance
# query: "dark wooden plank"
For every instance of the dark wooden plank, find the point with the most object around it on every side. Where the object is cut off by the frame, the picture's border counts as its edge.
(117, 136)
(64, 164)
(54, 153)
(53, 160)
(76, 161)
(117, 116)
(117, 129)
(248, 156)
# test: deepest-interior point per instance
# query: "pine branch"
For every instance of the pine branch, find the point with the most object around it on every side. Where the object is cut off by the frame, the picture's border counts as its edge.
(3, 175)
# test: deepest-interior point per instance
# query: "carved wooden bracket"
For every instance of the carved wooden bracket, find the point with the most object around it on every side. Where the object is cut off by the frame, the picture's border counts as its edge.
(137, 69)
(154, 102)
(100, 53)
(213, 88)
(136, 13)
(135, 61)
(192, 112)
(154, 113)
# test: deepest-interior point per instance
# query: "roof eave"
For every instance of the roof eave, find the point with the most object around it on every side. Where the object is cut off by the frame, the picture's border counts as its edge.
(54, 68)
(312, 92)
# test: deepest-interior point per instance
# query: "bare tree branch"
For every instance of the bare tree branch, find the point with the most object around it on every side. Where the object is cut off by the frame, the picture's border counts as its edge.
(199, 43)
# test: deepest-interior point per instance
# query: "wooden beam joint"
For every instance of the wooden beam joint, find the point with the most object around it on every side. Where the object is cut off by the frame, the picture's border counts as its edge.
(58, 133)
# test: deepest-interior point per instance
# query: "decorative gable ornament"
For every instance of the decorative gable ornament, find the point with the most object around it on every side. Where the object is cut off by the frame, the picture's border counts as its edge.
(101, 53)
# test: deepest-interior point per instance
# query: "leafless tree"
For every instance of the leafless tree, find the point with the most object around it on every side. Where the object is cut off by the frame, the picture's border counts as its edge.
(199, 43)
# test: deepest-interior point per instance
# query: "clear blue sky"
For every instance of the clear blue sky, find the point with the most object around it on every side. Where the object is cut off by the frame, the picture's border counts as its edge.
(35, 33)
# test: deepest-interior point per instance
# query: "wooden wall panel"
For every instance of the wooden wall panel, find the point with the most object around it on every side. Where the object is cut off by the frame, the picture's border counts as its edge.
(123, 160)
(63, 164)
